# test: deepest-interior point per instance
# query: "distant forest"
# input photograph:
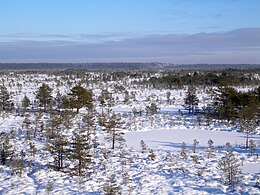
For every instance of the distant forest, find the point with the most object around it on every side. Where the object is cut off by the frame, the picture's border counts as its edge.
(121, 66)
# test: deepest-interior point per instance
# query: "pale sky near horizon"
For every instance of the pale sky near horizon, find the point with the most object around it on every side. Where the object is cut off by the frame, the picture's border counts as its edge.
(175, 31)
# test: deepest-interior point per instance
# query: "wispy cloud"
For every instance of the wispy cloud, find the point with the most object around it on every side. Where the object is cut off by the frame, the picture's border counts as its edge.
(102, 37)
(238, 46)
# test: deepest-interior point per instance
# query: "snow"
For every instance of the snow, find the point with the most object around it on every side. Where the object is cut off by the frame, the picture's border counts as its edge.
(171, 139)
(134, 171)
(251, 167)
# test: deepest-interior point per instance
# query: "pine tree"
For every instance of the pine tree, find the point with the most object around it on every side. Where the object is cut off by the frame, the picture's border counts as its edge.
(248, 117)
(252, 147)
(32, 149)
(18, 163)
(80, 151)
(5, 102)
(56, 141)
(144, 147)
(43, 94)
(168, 96)
(183, 150)
(106, 100)
(152, 109)
(247, 126)
(89, 121)
(58, 147)
(151, 155)
(210, 148)
(114, 130)
(25, 102)
(191, 101)
(230, 168)
(80, 97)
(199, 119)
(49, 187)
(112, 188)
(223, 104)
(195, 143)
(127, 97)
(6, 151)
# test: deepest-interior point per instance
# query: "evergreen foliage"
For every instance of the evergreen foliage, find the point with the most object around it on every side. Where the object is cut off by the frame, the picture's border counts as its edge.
(43, 94)
(114, 130)
(80, 97)
(191, 101)
(230, 168)
(5, 102)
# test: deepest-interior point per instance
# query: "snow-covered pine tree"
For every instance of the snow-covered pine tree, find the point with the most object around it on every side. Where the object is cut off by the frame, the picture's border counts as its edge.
(229, 167)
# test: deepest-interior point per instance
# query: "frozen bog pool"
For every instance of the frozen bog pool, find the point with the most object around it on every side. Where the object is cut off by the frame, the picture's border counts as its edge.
(171, 139)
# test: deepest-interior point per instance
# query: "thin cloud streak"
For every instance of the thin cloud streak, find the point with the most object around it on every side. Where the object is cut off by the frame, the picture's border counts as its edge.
(238, 46)
(87, 38)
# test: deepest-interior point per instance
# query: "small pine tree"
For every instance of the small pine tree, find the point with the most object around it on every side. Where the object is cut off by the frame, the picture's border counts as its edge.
(80, 151)
(208, 119)
(210, 148)
(247, 126)
(5, 102)
(152, 109)
(252, 147)
(151, 155)
(43, 94)
(114, 130)
(58, 149)
(25, 102)
(143, 146)
(230, 168)
(112, 187)
(5, 149)
(195, 143)
(198, 120)
(183, 150)
(195, 158)
(18, 164)
(32, 149)
(168, 96)
(49, 187)
(191, 101)
(127, 97)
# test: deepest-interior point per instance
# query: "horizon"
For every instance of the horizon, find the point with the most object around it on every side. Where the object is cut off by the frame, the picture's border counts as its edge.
(166, 31)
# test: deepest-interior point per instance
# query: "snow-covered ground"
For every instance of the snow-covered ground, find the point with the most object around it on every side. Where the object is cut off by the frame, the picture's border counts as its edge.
(171, 139)
(160, 169)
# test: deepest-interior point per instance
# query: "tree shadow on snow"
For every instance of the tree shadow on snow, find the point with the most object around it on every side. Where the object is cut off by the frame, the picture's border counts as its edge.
(177, 145)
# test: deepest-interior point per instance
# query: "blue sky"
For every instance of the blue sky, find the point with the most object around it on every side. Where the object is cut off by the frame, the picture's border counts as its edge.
(130, 30)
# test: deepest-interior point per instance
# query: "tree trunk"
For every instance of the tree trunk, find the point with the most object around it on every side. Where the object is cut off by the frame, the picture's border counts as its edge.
(113, 141)
(247, 137)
